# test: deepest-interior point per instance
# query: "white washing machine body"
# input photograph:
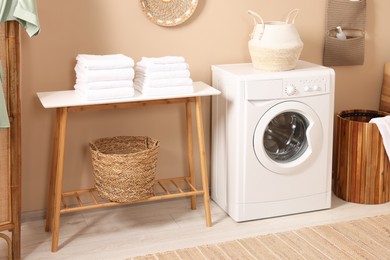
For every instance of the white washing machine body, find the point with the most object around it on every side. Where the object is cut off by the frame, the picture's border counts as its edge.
(272, 135)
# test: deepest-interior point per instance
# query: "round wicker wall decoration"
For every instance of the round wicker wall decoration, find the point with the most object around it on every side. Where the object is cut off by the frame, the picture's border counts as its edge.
(168, 12)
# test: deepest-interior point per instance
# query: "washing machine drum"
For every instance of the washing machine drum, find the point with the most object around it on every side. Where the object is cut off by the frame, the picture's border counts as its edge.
(287, 137)
(284, 137)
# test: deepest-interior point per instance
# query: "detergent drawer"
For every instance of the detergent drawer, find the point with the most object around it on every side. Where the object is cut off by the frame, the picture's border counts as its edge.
(263, 89)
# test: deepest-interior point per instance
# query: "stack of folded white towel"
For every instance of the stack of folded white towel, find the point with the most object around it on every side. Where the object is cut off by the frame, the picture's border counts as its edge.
(104, 76)
(163, 75)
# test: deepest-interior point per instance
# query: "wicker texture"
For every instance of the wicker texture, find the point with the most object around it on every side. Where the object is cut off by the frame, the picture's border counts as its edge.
(275, 46)
(274, 59)
(168, 12)
(124, 167)
(5, 185)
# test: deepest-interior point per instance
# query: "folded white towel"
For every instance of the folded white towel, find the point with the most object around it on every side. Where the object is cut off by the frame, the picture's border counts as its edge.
(151, 67)
(85, 75)
(105, 84)
(383, 124)
(161, 83)
(178, 90)
(101, 94)
(164, 59)
(164, 74)
(113, 61)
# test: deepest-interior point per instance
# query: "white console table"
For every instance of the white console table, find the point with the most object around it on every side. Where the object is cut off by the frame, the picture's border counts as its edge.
(68, 101)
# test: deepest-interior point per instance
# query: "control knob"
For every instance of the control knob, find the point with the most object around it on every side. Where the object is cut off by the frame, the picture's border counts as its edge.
(290, 90)
(316, 88)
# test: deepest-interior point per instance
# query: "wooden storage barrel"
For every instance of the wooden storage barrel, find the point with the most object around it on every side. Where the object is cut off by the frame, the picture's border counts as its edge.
(362, 169)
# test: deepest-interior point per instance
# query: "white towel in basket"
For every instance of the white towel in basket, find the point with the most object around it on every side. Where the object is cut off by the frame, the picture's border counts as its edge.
(383, 124)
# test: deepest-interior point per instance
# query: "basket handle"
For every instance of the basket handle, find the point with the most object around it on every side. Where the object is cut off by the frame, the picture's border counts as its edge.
(257, 19)
(95, 149)
(156, 143)
(254, 16)
(292, 15)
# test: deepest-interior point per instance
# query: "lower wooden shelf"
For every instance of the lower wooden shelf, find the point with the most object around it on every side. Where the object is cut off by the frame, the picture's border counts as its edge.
(164, 189)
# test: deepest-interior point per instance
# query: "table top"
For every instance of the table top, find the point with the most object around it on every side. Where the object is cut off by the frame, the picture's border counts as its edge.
(69, 98)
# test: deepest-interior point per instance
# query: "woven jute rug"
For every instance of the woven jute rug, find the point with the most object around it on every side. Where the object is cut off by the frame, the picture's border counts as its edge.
(367, 238)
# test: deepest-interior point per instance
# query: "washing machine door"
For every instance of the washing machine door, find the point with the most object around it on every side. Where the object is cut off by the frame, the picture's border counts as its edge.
(288, 137)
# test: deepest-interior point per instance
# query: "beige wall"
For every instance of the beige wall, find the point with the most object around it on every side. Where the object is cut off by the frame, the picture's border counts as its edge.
(217, 33)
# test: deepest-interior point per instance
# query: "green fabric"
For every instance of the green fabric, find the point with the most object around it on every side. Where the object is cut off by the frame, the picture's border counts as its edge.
(4, 122)
(23, 11)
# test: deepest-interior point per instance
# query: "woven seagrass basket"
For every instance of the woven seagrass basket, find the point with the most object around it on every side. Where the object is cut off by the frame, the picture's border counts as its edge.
(124, 167)
(274, 59)
(275, 45)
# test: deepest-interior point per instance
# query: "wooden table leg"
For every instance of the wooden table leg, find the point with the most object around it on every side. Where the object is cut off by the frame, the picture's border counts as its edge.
(190, 150)
(62, 114)
(53, 173)
(203, 163)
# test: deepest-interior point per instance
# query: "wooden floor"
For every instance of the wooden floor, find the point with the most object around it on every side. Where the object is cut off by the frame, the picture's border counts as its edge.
(122, 232)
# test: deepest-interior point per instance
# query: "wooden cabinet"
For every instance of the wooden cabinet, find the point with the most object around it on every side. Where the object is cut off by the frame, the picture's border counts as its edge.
(10, 141)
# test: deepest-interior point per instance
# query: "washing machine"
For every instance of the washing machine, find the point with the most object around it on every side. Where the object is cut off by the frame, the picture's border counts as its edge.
(272, 134)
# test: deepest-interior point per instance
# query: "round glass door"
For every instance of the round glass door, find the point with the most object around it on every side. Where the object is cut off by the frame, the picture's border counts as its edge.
(288, 137)
(285, 137)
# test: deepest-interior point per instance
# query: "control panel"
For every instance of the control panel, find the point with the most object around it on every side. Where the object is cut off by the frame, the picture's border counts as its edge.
(305, 86)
